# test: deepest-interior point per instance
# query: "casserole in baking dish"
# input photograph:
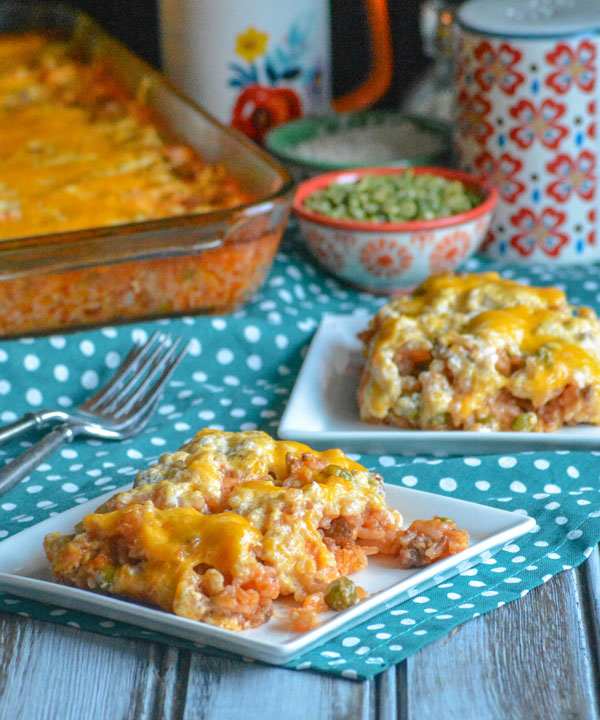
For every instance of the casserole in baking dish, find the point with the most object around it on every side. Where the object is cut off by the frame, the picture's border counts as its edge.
(119, 198)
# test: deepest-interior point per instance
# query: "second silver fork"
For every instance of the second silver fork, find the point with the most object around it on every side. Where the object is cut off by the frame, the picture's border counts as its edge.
(121, 409)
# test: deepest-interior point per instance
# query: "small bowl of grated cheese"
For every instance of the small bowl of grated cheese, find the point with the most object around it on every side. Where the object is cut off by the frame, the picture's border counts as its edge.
(311, 146)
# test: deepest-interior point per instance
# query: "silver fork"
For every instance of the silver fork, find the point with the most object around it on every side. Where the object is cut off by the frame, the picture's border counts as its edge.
(43, 418)
(119, 410)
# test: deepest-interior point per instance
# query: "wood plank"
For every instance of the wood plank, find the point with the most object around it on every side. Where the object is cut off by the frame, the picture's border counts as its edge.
(402, 691)
(172, 685)
(225, 689)
(387, 695)
(529, 659)
(50, 671)
(589, 584)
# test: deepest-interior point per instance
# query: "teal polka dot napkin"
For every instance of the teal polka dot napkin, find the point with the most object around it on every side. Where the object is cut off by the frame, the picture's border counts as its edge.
(238, 375)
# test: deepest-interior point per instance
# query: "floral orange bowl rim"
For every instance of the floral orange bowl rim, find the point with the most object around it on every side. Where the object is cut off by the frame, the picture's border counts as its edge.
(473, 182)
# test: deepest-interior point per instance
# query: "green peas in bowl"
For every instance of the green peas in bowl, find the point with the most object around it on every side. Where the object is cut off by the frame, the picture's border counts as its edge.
(400, 197)
(386, 230)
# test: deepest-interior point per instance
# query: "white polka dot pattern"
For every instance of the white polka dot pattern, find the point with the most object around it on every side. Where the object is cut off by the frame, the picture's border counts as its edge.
(238, 374)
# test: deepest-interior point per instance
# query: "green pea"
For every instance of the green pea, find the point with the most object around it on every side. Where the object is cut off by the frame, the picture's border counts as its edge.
(105, 576)
(393, 198)
(442, 420)
(357, 213)
(341, 594)
(544, 353)
(525, 422)
(382, 194)
(338, 471)
(408, 207)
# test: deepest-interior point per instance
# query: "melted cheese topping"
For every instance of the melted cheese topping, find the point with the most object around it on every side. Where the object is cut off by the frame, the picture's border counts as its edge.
(212, 458)
(251, 509)
(177, 539)
(441, 357)
(255, 452)
(78, 152)
(459, 291)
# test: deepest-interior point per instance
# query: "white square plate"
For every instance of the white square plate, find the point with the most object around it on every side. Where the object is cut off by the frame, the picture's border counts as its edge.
(24, 571)
(323, 409)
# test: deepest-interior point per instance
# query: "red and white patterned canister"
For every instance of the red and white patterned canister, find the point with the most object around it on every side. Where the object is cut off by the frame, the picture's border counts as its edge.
(528, 101)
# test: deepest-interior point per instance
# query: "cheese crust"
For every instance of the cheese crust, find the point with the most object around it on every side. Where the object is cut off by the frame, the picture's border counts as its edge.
(78, 151)
(217, 530)
(478, 352)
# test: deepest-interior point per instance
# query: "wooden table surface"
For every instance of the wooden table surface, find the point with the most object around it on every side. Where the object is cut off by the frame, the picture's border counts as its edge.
(535, 658)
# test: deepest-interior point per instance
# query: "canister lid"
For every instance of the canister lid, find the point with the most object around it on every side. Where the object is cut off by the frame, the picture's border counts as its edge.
(531, 18)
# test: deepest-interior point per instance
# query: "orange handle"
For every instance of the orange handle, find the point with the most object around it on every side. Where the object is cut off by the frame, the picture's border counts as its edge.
(380, 75)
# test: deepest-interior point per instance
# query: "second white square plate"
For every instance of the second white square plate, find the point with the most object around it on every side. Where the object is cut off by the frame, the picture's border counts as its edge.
(323, 409)
(24, 571)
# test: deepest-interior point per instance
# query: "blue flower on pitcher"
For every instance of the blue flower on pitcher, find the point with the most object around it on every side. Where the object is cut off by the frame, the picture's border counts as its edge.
(280, 64)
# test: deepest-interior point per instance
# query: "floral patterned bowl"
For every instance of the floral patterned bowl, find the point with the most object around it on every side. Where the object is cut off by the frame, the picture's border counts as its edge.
(391, 258)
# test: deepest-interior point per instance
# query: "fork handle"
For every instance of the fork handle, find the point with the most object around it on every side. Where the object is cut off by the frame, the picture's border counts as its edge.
(37, 420)
(20, 427)
(25, 463)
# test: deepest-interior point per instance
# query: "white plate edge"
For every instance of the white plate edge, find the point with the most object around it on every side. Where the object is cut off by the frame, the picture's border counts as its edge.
(287, 430)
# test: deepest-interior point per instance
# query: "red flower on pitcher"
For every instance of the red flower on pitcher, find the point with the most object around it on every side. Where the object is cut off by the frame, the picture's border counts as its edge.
(472, 119)
(258, 109)
(501, 173)
(575, 176)
(538, 123)
(497, 67)
(574, 66)
(450, 250)
(591, 238)
(539, 231)
(383, 258)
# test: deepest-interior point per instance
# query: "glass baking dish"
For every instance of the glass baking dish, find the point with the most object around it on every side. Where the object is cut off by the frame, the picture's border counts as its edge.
(198, 263)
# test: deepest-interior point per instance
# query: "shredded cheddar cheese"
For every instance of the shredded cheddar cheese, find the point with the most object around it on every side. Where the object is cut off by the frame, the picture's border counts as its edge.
(78, 152)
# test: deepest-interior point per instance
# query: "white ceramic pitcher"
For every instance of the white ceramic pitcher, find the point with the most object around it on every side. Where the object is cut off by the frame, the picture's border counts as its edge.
(257, 63)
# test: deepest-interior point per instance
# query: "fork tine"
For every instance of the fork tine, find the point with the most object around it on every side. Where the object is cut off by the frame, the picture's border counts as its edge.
(123, 392)
(142, 419)
(135, 426)
(142, 395)
(140, 406)
(134, 356)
